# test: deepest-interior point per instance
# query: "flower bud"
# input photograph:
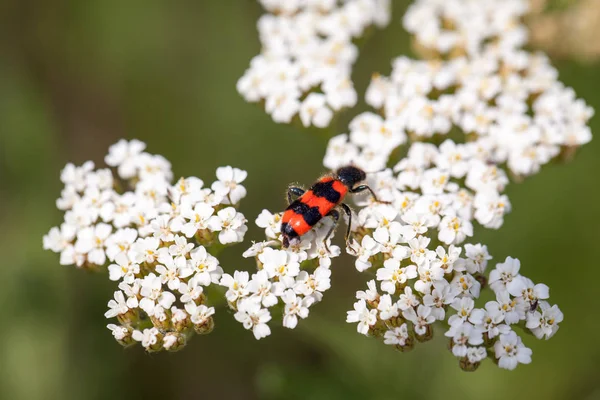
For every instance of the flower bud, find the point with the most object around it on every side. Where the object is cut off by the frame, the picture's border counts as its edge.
(206, 327)
(174, 341)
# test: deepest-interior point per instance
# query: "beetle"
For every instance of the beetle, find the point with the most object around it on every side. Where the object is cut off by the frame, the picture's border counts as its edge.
(322, 200)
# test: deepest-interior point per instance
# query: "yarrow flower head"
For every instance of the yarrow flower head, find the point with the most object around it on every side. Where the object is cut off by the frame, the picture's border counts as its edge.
(481, 111)
(491, 103)
(294, 278)
(307, 55)
(464, 26)
(153, 236)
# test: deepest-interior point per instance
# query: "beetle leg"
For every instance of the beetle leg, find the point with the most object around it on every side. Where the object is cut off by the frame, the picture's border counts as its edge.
(362, 188)
(348, 212)
(294, 191)
(335, 215)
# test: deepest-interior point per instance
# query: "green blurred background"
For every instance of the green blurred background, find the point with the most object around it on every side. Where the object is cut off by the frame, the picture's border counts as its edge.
(75, 76)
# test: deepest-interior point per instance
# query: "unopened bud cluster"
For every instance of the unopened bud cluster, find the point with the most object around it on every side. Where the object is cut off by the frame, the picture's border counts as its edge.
(157, 239)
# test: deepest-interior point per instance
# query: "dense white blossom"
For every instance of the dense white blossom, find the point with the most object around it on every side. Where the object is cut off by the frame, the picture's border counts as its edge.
(307, 55)
(445, 26)
(294, 277)
(478, 111)
(153, 236)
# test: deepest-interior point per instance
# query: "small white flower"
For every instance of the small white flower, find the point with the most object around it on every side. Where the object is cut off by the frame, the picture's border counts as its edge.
(513, 309)
(76, 176)
(477, 258)
(417, 224)
(58, 239)
(261, 287)
(149, 337)
(117, 306)
(419, 252)
(145, 250)
(123, 155)
(119, 210)
(392, 275)
(421, 318)
(69, 256)
(295, 306)
(463, 334)
(463, 308)
(324, 252)
(408, 299)
(231, 224)
(199, 218)
(120, 242)
(510, 351)
(506, 277)
(118, 332)
(466, 284)
(170, 272)
(132, 291)
(386, 308)
(442, 295)
(270, 222)
(91, 241)
(532, 292)
(363, 252)
(314, 284)
(228, 184)
(252, 316)
(123, 269)
(153, 295)
(446, 259)
(280, 264)
(361, 314)
(544, 324)
(490, 320)
(428, 274)
(179, 250)
(370, 294)
(454, 230)
(397, 336)
(199, 314)
(204, 266)
(257, 248)
(162, 228)
(236, 284)
(490, 208)
(314, 111)
(190, 291)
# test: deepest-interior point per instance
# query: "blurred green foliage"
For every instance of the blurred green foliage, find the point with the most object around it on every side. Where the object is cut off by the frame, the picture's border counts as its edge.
(77, 75)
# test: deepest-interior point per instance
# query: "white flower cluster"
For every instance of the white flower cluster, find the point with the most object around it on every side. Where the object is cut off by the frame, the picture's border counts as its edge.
(443, 188)
(157, 238)
(294, 278)
(508, 107)
(469, 118)
(307, 55)
(422, 284)
(466, 26)
(506, 103)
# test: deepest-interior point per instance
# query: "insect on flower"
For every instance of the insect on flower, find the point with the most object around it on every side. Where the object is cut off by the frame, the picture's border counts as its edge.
(321, 200)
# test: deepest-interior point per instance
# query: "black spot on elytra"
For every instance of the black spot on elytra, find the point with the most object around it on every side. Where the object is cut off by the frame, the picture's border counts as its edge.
(288, 230)
(326, 190)
(298, 207)
(312, 216)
